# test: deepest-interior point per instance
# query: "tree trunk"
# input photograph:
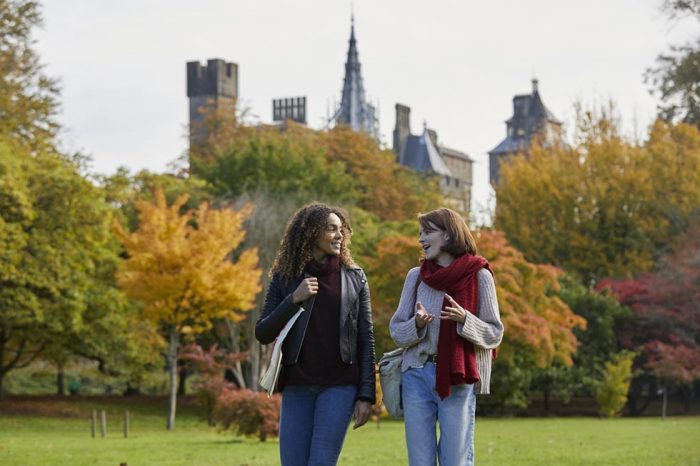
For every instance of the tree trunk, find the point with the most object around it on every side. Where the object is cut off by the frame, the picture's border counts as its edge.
(664, 402)
(234, 331)
(173, 341)
(687, 394)
(60, 381)
(181, 390)
(635, 396)
(2, 377)
(253, 353)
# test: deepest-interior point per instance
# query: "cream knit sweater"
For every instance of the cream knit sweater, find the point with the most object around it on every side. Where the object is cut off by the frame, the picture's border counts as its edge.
(484, 329)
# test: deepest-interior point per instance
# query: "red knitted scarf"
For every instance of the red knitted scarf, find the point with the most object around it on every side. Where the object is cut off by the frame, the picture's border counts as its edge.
(456, 360)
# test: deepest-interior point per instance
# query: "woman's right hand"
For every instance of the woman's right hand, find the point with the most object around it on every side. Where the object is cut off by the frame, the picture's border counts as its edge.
(422, 316)
(306, 289)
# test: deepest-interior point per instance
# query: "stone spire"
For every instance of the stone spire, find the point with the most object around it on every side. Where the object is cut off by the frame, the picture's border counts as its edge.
(354, 110)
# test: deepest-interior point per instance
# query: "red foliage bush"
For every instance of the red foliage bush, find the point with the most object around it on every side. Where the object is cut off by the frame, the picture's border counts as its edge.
(211, 365)
(248, 413)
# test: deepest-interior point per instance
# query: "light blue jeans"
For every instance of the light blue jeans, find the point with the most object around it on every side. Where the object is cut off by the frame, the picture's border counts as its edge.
(313, 423)
(423, 408)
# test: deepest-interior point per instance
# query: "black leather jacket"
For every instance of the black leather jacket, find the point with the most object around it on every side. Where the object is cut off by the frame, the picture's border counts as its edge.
(356, 331)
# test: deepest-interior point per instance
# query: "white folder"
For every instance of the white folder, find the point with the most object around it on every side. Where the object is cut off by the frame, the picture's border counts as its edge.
(268, 381)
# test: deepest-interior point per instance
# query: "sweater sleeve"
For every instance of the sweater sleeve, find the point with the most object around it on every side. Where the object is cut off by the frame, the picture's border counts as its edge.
(485, 328)
(403, 323)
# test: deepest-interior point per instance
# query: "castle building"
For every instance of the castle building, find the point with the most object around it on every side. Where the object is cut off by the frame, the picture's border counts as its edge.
(354, 110)
(530, 120)
(424, 154)
(210, 87)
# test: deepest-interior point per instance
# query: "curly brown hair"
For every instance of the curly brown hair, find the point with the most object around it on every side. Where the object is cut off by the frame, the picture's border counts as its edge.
(303, 229)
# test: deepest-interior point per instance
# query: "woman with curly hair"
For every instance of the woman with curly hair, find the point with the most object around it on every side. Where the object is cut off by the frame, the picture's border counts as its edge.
(448, 322)
(327, 371)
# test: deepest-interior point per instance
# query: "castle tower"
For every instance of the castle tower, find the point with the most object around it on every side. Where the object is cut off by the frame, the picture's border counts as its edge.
(211, 86)
(424, 154)
(402, 130)
(531, 119)
(354, 110)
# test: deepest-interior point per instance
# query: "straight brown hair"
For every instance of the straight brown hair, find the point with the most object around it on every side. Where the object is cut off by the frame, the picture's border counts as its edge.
(460, 240)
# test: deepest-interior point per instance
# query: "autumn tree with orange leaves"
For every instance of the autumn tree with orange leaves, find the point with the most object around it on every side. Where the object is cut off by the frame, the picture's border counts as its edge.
(179, 268)
(536, 319)
(540, 328)
(382, 185)
(534, 316)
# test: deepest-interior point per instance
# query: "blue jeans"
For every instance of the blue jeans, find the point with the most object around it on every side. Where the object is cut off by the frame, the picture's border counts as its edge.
(313, 423)
(423, 409)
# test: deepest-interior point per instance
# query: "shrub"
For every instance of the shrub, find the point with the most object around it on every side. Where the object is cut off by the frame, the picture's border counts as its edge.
(248, 413)
(611, 393)
(211, 365)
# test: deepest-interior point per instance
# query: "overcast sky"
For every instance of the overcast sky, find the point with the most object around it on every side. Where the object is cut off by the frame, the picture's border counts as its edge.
(456, 63)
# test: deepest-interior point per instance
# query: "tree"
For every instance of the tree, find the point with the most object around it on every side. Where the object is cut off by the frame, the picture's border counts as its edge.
(682, 7)
(675, 80)
(534, 315)
(386, 271)
(605, 207)
(384, 187)
(676, 77)
(338, 166)
(611, 393)
(597, 344)
(604, 316)
(28, 98)
(211, 365)
(290, 163)
(179, 267)
(280, 169)
(57, 256)
(666, 328)
(539, 325)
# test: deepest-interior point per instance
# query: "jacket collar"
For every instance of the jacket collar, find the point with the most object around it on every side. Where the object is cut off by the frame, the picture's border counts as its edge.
(349, 291)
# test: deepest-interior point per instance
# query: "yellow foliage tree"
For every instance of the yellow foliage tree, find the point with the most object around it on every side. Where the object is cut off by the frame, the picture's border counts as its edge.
(605, 206)
(179, 268)
(535, 318)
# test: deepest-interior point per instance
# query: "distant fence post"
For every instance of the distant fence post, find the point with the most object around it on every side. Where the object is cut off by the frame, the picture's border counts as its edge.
(126, 423)
(93, 428)
(103, 424)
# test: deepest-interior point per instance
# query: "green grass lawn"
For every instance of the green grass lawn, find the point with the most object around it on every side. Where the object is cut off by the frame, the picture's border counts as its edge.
(33, 438)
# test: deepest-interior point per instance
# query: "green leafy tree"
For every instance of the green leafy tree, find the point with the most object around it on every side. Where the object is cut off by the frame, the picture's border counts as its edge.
(597, 344)
(56, 257)
(290, 163)
(28, 98)
(677, 74)
(675, 80)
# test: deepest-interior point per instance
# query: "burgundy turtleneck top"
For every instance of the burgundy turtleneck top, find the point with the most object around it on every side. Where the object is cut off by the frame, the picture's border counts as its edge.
(319, 360)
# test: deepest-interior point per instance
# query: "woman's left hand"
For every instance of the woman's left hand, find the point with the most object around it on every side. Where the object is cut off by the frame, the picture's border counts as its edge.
(454, 312)
(362, 412)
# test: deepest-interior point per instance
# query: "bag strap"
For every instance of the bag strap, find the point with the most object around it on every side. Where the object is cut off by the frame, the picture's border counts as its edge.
(415, 292)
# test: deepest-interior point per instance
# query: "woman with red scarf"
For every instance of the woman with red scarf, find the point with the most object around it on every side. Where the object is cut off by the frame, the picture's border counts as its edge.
(449, 324)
